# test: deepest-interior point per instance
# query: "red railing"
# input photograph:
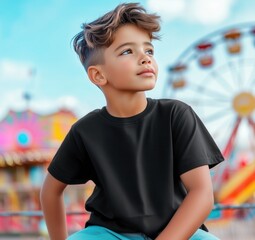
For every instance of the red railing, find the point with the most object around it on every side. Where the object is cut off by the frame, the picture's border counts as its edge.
(31, 223)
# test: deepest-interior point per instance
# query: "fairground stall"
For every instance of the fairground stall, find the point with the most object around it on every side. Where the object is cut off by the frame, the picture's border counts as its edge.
(28, 141)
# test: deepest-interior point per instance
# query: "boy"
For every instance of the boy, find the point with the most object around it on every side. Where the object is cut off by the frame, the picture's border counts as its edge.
(149, 159)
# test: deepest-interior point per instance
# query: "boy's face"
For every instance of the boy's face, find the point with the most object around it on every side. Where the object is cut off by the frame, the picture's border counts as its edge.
(129, 62)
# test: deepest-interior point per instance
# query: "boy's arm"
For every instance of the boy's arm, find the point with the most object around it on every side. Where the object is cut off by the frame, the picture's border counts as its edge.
(52, 203)
(194, 209)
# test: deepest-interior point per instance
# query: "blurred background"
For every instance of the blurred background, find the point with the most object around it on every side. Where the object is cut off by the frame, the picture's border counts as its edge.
(206, 58)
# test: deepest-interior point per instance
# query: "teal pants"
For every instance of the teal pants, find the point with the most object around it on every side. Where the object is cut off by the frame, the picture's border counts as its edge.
(101, 233)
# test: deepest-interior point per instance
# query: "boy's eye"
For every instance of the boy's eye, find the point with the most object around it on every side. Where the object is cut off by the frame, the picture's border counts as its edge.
(126, 52)
(150, 52)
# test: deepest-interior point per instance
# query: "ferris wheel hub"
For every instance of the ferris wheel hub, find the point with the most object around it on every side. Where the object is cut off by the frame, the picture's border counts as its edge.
(244, 104)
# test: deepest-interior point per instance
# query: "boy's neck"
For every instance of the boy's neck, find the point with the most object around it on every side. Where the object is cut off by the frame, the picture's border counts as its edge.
(127, 105)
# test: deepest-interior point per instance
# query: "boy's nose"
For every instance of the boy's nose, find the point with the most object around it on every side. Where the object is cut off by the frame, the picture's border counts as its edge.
(145, 60)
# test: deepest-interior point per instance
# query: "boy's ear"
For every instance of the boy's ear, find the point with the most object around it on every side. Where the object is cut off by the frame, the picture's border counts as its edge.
(96, 76)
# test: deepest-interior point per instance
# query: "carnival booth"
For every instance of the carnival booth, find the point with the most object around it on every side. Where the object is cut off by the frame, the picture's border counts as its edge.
(28, 141)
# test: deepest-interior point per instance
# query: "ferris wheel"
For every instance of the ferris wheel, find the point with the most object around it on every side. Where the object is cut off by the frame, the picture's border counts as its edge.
(216, 76)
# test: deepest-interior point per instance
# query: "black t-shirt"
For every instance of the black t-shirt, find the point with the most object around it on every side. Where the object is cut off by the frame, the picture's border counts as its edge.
(136, 163)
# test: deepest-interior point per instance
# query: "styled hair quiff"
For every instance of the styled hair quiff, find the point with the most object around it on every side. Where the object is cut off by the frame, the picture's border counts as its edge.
(99, 34)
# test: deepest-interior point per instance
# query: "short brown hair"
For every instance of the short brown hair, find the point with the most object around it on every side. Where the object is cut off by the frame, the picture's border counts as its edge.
(99, 34)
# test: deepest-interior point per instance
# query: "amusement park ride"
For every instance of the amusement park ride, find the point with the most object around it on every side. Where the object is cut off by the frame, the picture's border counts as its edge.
(216, 76)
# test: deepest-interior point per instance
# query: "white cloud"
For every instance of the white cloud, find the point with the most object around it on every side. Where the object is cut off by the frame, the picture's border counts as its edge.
(168, 9)
(200, 11)
(45, 105)
(68, 102)
(15, 71)
(14, 100)
(210, 11)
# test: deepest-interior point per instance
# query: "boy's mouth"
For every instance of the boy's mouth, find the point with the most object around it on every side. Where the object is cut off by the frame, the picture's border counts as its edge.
(147, 72)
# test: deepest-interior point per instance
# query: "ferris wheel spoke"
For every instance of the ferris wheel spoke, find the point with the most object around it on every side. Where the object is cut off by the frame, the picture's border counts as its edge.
(229, 146)
(223, 127)
(240, 73)
(215, 94)
(209, 92)
(217, 114)
(252, 133)
(207, 102)
(222, 131)
(212, 103)
(235, 74)
(253, 83)
(221, 80)
(251, 78)
(252, 124)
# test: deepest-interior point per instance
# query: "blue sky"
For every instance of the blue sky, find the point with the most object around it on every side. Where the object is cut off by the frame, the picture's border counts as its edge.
(36, 53)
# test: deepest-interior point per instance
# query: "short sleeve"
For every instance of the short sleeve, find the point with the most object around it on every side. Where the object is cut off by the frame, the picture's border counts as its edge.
(193, 145)
(71, 164)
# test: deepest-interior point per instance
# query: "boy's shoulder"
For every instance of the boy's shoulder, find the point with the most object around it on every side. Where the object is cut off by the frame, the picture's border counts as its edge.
(173, 105)
(87, 120)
